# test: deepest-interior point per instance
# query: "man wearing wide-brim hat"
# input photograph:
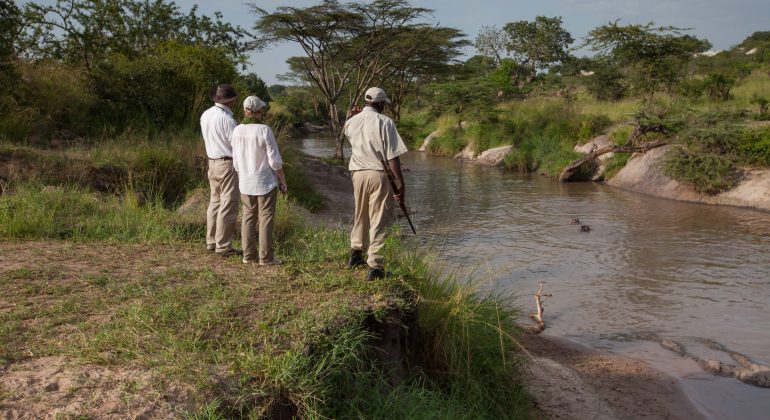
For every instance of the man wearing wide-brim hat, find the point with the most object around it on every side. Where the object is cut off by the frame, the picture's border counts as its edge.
(217, 124)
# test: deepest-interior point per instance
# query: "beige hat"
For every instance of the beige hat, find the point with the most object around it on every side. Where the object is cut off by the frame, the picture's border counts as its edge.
(253, 103)
(375, 94)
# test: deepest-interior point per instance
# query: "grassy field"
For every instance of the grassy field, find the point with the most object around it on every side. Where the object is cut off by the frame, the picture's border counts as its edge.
(109, 295)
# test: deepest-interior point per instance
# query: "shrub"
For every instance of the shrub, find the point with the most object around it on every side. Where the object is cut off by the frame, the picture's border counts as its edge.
(754, 146)
(708, 173)
(717, 86)
(692, 88)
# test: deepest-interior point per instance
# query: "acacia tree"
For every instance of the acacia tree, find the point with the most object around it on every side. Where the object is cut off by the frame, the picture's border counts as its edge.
(651, 58)
(538, 44)
(421, 53)
(492, 42)
(346, 46)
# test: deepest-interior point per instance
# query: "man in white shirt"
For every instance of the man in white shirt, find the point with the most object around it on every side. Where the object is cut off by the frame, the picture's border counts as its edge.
(373, 136)
(260, 172)
(217, 124)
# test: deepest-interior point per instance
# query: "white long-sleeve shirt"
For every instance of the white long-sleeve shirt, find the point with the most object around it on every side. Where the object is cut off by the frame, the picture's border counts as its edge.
(217, 124)
(256, 158)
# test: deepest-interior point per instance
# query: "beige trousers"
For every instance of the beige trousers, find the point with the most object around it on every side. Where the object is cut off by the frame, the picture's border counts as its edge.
(260, 207)
(374, 214)
(223, 205)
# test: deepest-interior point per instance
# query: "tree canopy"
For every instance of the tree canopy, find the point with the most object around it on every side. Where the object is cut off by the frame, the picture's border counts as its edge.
(538, 44)
(348, 46)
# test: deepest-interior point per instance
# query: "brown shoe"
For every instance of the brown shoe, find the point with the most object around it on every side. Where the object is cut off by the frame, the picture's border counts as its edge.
(275, 261)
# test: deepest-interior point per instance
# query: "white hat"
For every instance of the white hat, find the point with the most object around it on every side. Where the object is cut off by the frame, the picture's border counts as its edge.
(375, 94)
(253, 103)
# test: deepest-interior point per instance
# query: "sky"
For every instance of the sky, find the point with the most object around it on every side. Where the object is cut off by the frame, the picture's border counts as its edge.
(725, 23)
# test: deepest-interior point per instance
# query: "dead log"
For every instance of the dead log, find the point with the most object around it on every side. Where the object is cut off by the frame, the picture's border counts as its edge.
(747, 371)
(538, 317)
(570, 170)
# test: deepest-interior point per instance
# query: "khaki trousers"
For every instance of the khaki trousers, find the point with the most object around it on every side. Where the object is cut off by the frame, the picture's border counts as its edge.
(223, 205)
(260, 207)
(374, 214)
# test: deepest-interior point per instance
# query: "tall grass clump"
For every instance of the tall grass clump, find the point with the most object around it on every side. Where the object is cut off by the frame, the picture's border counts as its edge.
(70, 212)
(469, 342)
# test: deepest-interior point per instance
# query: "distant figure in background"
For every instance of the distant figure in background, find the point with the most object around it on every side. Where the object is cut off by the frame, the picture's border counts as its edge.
(260, 172)
(373, 137)
(217, 124)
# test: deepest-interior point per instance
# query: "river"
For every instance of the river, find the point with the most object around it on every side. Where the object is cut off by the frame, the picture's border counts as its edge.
(648, 266)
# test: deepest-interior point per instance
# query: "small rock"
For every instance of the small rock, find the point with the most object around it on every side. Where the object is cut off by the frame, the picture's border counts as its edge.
(585, 228)
(574, 221)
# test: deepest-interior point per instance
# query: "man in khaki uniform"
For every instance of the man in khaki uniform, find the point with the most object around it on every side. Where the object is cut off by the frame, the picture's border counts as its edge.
(373, 136)
(217, 124)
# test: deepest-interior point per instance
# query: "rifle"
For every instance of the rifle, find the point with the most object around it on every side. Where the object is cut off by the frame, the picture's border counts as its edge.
(392, 181)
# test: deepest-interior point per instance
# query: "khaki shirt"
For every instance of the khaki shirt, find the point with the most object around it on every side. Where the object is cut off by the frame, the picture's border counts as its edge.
(370, 132)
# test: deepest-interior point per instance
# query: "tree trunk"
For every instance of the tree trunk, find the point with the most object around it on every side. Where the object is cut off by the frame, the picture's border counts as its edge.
(334, 121)
(567, 173)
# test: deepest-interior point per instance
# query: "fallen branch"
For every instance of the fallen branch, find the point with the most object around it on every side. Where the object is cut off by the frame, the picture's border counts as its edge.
(567, 173)
(538, 317)
(747, 371)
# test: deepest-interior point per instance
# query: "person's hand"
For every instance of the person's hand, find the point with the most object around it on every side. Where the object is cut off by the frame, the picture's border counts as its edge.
(398, 196)
(283, 188)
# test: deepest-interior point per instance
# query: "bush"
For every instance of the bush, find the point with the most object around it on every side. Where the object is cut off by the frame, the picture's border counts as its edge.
(717, 86)
(692, 88)
(708, 173)
(754, 146)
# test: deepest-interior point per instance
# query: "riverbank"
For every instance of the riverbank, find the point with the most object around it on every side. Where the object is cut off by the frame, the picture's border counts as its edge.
(570, 381)
(111, 306)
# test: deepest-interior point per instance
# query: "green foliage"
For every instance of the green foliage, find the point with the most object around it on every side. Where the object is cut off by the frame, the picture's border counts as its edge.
(717, 86)
(607, 83)
(591, 125)
(538, 44)
(448, 144)
(692, 88)
(84, 32)
(415, 126)
(762, 102)
(652, 58)
(615, 164)
(169, 85)
(511, 77)
(708, 173)
(754, 146)
(10, 22)
(469, 99)
(73, 213)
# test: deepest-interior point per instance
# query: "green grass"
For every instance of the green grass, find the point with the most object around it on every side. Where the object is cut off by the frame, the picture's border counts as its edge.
(126, 284)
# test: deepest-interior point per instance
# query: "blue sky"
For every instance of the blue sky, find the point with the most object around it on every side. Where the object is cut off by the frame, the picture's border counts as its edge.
(724, 23)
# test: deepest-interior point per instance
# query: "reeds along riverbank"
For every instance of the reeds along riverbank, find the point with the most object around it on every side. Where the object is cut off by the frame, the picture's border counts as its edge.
(100, 282)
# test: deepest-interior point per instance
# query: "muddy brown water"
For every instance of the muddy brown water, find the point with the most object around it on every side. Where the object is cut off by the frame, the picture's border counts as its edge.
(648, 266)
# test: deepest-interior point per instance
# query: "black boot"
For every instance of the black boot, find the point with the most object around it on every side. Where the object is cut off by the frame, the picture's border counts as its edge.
(375, 273)
(356, 258)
